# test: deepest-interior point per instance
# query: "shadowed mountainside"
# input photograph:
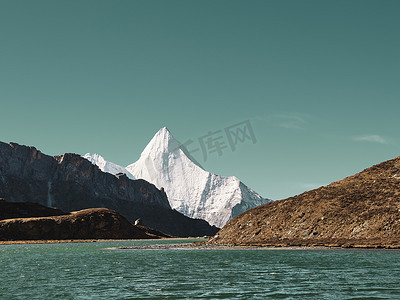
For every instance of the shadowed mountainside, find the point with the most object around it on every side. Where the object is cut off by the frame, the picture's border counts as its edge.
(12, 210)
(72, 183)
(96, 223)
(362, 210)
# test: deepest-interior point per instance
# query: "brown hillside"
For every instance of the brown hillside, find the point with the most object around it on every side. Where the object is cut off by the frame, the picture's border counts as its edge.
(96, 223)
(361, 210)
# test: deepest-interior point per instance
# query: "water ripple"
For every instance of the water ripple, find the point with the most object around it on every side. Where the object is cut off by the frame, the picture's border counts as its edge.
(86, 271)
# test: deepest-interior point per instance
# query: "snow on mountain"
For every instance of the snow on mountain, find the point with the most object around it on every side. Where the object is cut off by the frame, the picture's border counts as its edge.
(107, 166)
(190, 189)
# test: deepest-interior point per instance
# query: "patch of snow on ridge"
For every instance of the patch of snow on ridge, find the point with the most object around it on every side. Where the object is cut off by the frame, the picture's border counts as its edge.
(107, 166)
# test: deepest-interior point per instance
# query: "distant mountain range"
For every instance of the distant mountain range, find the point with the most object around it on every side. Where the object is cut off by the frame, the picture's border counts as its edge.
(70, 182)
(191, 190)
(362, 210)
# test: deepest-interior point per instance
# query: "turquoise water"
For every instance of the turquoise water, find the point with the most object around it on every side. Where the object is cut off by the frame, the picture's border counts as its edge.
(87, 271)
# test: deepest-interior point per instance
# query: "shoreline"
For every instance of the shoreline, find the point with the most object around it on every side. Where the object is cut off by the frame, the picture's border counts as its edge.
(197, 245)
(71, 241)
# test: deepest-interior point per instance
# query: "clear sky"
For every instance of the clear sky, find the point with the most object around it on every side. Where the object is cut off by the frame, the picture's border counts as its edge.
(319, 82)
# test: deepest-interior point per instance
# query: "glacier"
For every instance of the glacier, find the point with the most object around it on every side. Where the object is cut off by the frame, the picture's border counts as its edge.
(191, 190)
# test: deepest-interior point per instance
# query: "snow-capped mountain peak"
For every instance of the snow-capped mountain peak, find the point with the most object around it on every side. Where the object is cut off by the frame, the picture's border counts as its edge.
(162, 142)
(191, 190)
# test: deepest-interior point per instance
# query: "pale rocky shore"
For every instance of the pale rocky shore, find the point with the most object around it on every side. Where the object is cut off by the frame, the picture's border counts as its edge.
(205, 246)
(197, 245)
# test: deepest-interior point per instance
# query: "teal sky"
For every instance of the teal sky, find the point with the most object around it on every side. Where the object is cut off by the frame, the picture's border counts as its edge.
(318, 80)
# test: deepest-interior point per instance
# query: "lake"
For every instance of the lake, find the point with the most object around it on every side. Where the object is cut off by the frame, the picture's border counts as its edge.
(88, 271)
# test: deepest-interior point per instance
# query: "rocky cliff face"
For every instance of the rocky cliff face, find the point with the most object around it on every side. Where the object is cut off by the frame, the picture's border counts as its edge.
(71, 182)
(361, 210)
(96, 223)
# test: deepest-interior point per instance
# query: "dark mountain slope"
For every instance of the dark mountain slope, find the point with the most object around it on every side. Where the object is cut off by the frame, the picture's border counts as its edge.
(71, 183)
(10, 210)
(95, 223)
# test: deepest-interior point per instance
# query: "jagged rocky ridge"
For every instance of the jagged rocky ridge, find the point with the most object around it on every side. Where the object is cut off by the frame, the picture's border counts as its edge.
(362, 210)
(191, 190)
(95, 223)
(71, 183)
